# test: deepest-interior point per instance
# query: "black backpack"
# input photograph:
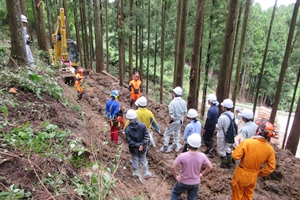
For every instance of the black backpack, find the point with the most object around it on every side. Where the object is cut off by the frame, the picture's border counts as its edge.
(232, 130)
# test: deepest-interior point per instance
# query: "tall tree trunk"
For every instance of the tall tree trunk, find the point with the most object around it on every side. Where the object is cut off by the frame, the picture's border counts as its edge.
(22, 7)
(155, 59)
(98, 32)
(293, 139)
(244, 79)
(90, 35)
(289, 117)
(77, 33)
(41, 28)
(224, 73)
(163, 23)
(194, 72)
(178, 81)
(50, 28)
(136, 42)
(84, 33)
(106, 35)
(285, 62)
(208, 59)
(130, 53)
(67, 18)
(121, 42)
(141, 47)
(148, 52)
(241, 51)
(18, 51)
(177, 39)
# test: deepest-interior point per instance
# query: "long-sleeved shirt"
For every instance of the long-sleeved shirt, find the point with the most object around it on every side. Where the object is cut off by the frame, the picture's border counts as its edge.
(248, 130)
(177, 109)
(192, 127)
(212, 118)
(253, 152)
(146, 116)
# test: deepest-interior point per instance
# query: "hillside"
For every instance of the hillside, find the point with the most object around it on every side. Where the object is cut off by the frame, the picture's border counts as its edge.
(59, 171)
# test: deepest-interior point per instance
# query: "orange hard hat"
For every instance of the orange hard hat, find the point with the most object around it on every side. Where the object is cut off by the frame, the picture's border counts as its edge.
(266, 129)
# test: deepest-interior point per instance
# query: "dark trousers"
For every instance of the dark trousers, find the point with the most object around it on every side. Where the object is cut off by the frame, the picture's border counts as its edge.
(208, 138)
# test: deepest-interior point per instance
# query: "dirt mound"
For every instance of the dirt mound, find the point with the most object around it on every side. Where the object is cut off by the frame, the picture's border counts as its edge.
(93, 130)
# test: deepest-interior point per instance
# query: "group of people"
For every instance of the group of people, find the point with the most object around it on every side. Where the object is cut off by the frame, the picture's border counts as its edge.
(251, 149)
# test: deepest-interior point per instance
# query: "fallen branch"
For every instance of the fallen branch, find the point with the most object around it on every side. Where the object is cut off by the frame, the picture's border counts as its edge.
(158, 187)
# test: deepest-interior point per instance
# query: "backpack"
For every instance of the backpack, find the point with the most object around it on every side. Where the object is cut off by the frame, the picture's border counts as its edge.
(232, 130)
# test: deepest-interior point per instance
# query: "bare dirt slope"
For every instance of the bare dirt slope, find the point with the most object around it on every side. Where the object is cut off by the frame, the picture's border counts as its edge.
(282, 184)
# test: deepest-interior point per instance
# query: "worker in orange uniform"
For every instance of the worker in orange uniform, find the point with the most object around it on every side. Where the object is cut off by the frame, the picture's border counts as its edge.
(135, 88)
(253, 152)
(78, 83)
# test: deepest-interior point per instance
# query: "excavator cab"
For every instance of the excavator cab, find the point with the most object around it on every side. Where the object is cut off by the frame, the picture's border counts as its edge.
(72, 49)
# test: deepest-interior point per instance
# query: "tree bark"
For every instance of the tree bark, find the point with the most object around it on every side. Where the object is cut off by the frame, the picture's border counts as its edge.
(78, 33)
(41, 27)
(22, 7)
(130, 53)
(177, 40)
(121, 42)
(224, 73)
(163, 23)
(18, 51)
(178, 81)
(148, 52)
(98, 33)
(50, 29)
(194, 72)
(67, 18)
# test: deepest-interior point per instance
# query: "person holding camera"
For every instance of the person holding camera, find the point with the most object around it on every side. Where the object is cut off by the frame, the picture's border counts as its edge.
(28, 42)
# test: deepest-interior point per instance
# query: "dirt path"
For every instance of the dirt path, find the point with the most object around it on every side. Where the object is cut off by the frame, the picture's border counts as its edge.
(215, 185)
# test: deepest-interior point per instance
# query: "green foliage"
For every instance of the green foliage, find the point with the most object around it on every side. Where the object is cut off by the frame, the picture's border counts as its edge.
(36, 80)
(14, 193)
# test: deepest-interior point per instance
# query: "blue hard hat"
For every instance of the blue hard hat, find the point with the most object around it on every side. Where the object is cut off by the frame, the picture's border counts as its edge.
(115, 93)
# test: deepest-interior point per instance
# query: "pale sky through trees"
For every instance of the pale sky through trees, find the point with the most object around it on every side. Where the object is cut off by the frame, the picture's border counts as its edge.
(265, 4)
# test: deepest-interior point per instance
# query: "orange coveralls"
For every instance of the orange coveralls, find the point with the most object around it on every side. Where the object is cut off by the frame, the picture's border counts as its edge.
(79, 80)
(253, 152)
(135, 89)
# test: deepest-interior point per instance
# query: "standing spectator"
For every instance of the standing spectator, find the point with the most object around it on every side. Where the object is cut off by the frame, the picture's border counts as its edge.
(177, 110)
(27, 41)
(135, 88)
(137, 137)
(78, 84)
(253, 152)
(210, 124)
(193, 127)
(249, 128)
(114, 113)
(191, 163)
(145, 115)
(222, 126)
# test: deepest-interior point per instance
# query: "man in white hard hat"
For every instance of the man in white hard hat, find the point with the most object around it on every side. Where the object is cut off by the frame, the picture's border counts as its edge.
(27, 41)
(210, 124)
(222, 126)
(137, 138)
(190, 164)
(146, 116)
(249, 128)
(174, 121)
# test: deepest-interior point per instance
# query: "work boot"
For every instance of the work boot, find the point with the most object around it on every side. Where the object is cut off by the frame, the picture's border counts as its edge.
(223, 162)
(211, 153)
(176, 147)
(136, 172)
(147, 174)
(165, 149)
(229, 159)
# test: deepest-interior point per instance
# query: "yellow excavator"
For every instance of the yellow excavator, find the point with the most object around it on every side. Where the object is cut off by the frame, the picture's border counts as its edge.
(65, 52)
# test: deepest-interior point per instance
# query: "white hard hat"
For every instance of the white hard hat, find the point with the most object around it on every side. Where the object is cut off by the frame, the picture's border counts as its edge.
(212, 97)
(194, 140)
(248, 114)
(192, 113)
(142, 101)
(177, 90)
(227, 103)
(24, 18)
(137, 102)
(131, 114)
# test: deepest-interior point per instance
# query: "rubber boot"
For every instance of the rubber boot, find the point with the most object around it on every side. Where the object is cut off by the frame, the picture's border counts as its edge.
(229, 159)
(147, 174)
(223, 162)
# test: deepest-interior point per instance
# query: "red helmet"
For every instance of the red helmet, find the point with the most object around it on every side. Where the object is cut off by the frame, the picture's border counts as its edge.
(80, 71)
(266, 129)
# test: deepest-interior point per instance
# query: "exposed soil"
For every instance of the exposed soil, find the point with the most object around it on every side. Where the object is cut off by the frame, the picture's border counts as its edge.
(283, 184)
